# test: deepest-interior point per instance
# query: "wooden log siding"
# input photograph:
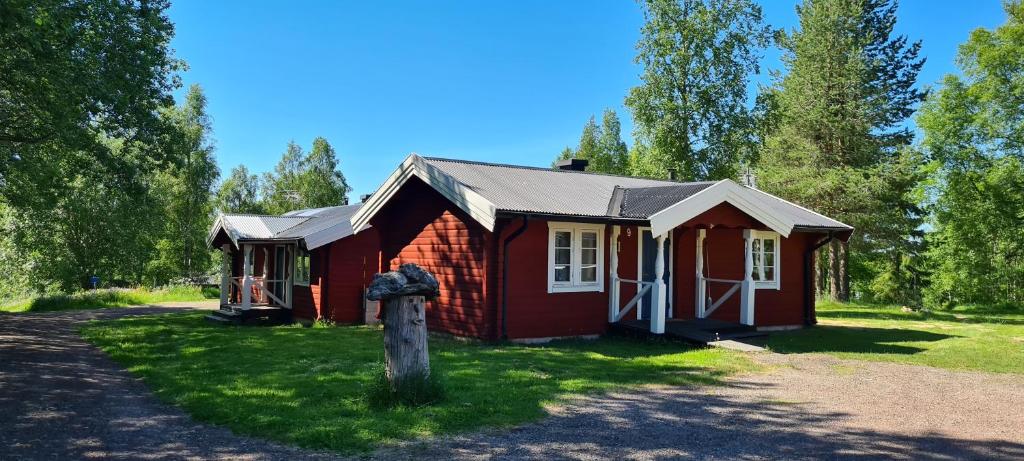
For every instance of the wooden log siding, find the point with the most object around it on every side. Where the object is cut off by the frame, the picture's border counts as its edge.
(420, 226)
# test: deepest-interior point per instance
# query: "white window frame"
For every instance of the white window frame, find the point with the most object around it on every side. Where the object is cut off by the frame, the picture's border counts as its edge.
(574, 285)
(295, 269)
(762, 236)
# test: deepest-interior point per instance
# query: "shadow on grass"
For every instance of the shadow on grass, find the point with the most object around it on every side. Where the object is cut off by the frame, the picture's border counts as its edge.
(306, 386)
(829, 338)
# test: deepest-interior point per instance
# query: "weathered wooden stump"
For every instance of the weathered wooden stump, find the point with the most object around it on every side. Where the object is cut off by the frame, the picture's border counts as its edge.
(404, 294)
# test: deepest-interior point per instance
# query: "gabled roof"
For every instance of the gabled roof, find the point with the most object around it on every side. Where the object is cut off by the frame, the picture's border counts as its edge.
(315, 227)
(483, 190)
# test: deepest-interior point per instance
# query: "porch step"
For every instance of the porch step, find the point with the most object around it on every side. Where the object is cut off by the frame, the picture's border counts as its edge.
(700, 332)
(257, 315)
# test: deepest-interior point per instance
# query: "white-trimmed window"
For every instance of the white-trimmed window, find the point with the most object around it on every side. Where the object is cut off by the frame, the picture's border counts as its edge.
(575, 257)
(766, 259)
(302, 267)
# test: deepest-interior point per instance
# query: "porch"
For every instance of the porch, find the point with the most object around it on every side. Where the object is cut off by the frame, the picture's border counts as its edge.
(695, 331)
(260, 279)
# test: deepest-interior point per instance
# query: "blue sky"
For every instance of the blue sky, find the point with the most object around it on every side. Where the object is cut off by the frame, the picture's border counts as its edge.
(508, 82)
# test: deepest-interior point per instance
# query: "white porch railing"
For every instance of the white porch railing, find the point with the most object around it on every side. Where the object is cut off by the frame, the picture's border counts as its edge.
(618, 313)
(246, 284)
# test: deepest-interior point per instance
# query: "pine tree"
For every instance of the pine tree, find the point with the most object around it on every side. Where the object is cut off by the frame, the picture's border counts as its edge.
(839, 144)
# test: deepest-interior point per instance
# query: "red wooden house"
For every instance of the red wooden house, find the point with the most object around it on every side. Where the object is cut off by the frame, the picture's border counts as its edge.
(526, 253)
(305, 265)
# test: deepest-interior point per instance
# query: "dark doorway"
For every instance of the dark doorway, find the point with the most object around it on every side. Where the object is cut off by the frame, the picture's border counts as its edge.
(649, 251)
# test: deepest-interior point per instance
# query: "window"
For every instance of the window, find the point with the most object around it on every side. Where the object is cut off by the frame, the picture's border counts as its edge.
(575, 257)
(766, 259)
(302, 267)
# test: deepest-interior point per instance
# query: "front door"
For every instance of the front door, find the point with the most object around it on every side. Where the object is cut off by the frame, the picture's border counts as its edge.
(648, 254)
(279, 288)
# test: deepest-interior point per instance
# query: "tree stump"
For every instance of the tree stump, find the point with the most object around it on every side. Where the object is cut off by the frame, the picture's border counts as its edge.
(404, 294)
(405, 339)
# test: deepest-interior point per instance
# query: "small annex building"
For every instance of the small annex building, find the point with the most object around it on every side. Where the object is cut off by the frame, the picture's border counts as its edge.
(527, 253)
(306, 264)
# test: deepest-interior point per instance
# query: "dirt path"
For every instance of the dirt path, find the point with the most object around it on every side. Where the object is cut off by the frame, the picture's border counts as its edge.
(61, 398)
(809, 407)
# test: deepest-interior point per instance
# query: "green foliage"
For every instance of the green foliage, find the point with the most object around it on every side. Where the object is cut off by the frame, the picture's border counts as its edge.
(838, 142)
(601, 145)
(414, 391)
(304, 181)
(239, 193)
(691, 108)
(106, 298)
(308, 386)
(73, 73)
(964, 338)
(974, 133)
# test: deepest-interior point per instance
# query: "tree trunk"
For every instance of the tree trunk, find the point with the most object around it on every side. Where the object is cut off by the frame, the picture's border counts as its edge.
(844, 274)
(820, 272)
(405, 339)
(833, 272)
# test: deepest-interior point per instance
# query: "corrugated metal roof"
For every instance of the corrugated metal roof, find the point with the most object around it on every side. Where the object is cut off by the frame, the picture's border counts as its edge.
(540, 190)
(525, 189)
(316, 226)
(645, 201)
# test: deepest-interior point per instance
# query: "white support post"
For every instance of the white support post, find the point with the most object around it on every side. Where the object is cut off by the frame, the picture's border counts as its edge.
(747, 289)
(659, 293)
(247, 278)
(225, 273)
(701, 284)
(613, 275)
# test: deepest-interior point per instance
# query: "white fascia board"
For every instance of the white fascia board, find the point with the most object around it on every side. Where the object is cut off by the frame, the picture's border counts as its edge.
(801, 207)
(218, 225)
(724, 191)
(474, 204)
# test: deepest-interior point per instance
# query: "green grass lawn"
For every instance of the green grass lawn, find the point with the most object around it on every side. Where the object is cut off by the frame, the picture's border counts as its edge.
(306, 386)
(117, 297)
(965, 338)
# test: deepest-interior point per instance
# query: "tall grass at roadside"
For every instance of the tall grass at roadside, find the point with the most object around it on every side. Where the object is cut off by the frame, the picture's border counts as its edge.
(113, 297)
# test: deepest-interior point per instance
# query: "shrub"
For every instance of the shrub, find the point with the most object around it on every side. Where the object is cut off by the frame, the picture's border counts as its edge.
(415, 391)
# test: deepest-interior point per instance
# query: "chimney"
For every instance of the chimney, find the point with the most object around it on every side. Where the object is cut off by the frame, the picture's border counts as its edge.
(672, 173)
(363, 198)
(572, 164)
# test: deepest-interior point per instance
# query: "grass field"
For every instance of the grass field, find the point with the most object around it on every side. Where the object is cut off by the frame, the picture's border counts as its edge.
(306, 386)
(965, 338)
(117, 297)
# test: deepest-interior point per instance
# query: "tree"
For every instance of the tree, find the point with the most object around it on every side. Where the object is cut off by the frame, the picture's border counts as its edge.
(839, 144)
(322, 183)
(301, 181)
(186, 190)
(691, 108)
(239, 193)
(601, 145)
(974, 135)
(73, 73)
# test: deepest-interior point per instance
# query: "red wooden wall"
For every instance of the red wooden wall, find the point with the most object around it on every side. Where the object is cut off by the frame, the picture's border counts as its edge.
(420, 226)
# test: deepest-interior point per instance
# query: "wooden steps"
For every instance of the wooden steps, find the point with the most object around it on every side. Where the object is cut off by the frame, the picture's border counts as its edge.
(232, 314)
(695, 331)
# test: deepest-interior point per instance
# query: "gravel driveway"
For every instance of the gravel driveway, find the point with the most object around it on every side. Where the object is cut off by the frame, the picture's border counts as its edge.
(63, 399)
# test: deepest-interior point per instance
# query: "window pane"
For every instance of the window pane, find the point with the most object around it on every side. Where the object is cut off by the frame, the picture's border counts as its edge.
(756, 275)
(589, 256)
(562, 239)
(561, 273)
(769, 274)
(769, 259)
(589, 239)
(757, 245)
(562, 256)
(588, 274)
(769, 245)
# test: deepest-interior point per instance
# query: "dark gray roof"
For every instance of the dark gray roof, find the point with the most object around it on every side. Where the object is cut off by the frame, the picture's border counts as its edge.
(643, 202)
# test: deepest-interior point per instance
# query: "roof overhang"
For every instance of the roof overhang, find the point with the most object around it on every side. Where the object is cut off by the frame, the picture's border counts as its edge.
(724, 191)
(474, 204)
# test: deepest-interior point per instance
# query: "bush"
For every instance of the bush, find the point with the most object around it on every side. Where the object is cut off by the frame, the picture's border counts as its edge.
(414, 392)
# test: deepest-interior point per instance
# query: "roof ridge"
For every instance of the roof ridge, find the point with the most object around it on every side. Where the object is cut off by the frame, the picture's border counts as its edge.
(553, 170)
